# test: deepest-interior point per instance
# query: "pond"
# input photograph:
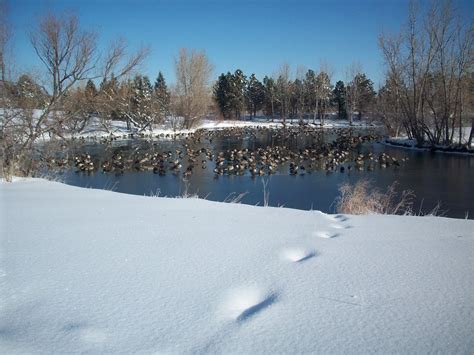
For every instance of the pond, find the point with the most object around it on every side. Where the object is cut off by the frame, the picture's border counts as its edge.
(433, 177)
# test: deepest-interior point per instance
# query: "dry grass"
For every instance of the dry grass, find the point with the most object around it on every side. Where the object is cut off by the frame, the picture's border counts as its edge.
(266, 193)
(363, 198)
(235, 198)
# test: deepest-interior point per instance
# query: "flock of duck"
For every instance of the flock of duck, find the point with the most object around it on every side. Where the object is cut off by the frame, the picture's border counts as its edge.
(298, 150)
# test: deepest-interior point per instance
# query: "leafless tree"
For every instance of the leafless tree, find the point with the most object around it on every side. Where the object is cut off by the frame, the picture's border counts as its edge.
(325, 88)
(467, 108)
(300, 91)
(428, 60)
(283, 86)
(352, 95)
(5, 34)
(389, 108)
(323, 93)
(70, 57)
(192, 95)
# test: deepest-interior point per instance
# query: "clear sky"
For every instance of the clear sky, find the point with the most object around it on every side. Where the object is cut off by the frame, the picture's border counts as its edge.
(255, 36)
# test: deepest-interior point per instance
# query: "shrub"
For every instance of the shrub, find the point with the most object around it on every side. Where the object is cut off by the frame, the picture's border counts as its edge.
(363, 198)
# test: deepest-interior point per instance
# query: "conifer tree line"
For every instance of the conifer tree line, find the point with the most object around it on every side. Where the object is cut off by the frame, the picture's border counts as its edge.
(308, 99)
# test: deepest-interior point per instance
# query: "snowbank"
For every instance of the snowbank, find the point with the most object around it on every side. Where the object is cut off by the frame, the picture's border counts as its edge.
(118, 128)
(405, 142)
(85, 270)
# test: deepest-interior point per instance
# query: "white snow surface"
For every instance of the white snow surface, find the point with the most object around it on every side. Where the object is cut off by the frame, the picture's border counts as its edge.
(465, 132)
(119, 128)
(85, 270)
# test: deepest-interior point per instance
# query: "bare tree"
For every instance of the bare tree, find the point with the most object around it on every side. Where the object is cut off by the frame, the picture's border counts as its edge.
(5, 34)
(389, 108)
(324, 88)
(351, 89)
(467, 104)
(283, 86)
(311, 101)
(192, 95)
(299, 91)
(70, 57)
(323, 94)
(428, 60)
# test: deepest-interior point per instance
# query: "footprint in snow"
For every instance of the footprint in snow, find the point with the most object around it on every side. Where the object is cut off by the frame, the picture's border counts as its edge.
(93, 335)
(326, 235)
(339, 226)
(297, 255)
(87, 334)
(341, 218)
(243, 303)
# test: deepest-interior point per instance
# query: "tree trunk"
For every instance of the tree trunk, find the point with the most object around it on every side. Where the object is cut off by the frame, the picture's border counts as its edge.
(273, 111)
(469, 142)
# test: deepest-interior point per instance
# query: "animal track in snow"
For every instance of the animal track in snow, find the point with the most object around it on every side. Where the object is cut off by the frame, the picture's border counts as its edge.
(341, 217)
(243, 303)
(298, 255)
(93, 335)
(87, 334)
(325, 234)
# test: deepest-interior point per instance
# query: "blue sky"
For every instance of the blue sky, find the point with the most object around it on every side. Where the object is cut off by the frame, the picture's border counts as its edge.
(255, 36)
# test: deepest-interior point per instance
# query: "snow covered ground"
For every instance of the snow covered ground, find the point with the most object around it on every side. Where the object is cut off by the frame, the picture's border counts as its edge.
(118, 128)
(85, 270)
(405, 142)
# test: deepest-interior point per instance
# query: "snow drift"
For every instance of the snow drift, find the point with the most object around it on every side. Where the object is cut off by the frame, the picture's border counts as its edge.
(85, 270)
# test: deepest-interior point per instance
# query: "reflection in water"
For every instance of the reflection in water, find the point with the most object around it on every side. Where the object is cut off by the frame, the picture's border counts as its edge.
(433, 177)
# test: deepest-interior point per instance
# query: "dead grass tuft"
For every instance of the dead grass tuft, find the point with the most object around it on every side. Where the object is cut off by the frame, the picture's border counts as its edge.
(363, 198)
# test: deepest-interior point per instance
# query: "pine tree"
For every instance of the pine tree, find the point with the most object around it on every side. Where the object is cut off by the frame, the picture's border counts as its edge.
(283, 92)
(310, 84)
(298, 98)
(109, 86)
(270, 96)
(90, 95)
(141, 101)
(162, 97)
(339, 95)
(238, 85)
(223, 94)
(29, 93)
(255, 95)
(365, 93)
(90, 90)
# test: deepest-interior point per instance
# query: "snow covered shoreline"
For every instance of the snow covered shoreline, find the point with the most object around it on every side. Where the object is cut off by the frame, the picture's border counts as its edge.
(411, 144)
(97, 271)
(119, 128)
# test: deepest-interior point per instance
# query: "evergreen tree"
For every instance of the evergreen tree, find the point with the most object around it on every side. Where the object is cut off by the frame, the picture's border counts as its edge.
(109, 86)
(29, 93)
(90, 94)
(339, 95)
(111, 103)
(238, 85)
(255, 95)
(310, 84)
(141, 101)
(90, 89)
(298, 98)
(270, 96)
(162, 96)
(283, 94)
(223, 95)
(365, 93)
